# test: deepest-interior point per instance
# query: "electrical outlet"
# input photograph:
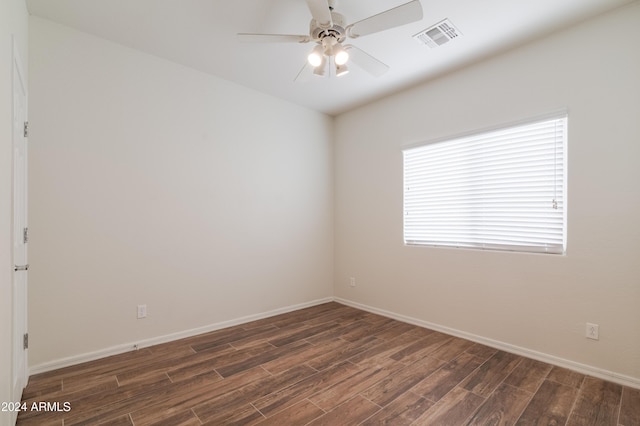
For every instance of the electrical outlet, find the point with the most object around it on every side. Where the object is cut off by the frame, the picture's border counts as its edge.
(592, 331)
(142, 311)
(352, 282)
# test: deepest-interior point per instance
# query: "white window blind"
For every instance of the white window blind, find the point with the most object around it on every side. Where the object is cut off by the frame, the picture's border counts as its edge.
(503, 190)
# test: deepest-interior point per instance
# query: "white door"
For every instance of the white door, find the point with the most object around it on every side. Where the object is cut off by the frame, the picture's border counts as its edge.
(19, 372)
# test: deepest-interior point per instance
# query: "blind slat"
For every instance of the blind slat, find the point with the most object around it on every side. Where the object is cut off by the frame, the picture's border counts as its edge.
(501, 190)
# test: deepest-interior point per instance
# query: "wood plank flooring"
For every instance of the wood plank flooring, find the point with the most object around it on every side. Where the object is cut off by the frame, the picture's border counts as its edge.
(325, 365)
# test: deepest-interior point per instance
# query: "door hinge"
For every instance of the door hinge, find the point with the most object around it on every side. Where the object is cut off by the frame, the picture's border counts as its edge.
(25, 235)
(26, 129)
(25, 343)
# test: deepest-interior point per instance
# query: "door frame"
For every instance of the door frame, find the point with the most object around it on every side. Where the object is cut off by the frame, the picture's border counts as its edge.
(19, 305)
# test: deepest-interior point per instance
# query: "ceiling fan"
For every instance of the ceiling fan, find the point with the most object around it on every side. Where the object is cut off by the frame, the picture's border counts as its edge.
(329, 30)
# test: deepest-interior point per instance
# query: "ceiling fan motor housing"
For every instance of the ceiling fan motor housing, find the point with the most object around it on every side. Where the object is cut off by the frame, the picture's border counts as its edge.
(337, 31)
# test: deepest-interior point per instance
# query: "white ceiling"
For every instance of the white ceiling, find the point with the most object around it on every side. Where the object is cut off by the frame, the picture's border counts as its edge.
(201, 34)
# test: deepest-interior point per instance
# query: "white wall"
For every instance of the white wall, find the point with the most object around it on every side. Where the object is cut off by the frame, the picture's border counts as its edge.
(13, 21)
(153, 183)
(539, 303)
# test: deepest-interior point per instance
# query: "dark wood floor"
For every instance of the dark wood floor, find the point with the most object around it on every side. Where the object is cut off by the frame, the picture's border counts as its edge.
(325, 365)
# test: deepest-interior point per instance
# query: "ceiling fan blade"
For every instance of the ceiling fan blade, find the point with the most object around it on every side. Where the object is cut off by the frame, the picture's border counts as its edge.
(366, 61)
(400, 15)
(273, 38)
(321, 13)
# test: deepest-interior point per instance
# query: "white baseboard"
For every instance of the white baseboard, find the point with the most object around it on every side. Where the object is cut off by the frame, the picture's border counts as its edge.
(126, 347)
(600, 373)
(550, 359)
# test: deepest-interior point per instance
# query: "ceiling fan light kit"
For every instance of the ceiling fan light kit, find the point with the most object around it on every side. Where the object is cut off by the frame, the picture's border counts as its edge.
(316, 57)
(340, 56)
(329, 30)
(341, 70)
(319, 70)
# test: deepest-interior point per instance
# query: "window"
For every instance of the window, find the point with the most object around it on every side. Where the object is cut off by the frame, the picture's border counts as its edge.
(502, 190)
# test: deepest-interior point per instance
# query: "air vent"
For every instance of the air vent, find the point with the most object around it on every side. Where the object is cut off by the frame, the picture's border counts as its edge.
(439, 34)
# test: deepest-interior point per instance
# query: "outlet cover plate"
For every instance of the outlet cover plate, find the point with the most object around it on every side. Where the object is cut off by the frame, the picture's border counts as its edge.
(142, 311)
(592, 331)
